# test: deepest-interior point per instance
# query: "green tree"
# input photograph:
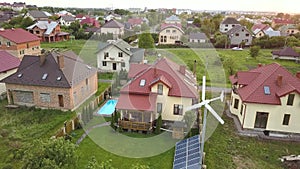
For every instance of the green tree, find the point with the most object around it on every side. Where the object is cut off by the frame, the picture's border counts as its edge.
(221, 41)
(145, 27)
(246, 23)
(26, 22)
(146, 41)
(189, 119)
(50, 153)
(94, 164)
(158, 125)
(229, 64)
(121, 12)
(254, 51)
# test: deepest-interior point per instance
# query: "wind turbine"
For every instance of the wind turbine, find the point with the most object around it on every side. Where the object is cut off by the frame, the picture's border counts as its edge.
(206, 105)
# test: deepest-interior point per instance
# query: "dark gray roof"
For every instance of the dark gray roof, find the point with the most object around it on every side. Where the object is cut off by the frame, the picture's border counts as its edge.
(197, 35)
(230, 20)
(236, 29)
(287, 51)
(31, 71)
(37, 14)
(112, 24)
(137, 55)
(68, 18)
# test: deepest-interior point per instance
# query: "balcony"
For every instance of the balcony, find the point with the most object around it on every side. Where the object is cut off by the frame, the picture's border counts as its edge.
(140, 126)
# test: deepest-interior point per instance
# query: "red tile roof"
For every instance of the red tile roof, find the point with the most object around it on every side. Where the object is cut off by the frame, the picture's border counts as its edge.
(135, 69)
(137, 102)
(8, 61)
(181, 85)
(164, 25)
(90, 21)
(282, 21)
(260, 27)
(253, 92)
(18, 35)
(135, 21)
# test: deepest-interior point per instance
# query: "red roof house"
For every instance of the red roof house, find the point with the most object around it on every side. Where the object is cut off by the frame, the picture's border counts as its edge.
(91, 22)
(266, 98)
(19, 42)
(280, 22)
(164, 87)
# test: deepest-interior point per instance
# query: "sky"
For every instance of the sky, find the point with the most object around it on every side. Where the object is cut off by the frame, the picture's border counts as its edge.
(286, 6)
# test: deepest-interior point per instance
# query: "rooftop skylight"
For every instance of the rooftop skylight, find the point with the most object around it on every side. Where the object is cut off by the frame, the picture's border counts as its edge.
(45, 75)
(267, 90)
(142, 82)
(20, 75)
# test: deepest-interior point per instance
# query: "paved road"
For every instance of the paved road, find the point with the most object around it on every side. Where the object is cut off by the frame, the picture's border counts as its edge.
(217, 89)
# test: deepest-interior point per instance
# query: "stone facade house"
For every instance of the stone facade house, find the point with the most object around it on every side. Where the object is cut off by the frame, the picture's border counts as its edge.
(48, 31)
(52, 80)
(114, 27)
(227, 24)
(117, 55)
(170, 34)
(19, 42)
(266, 99)
(8, 66)
(164, 88)
(238, 35)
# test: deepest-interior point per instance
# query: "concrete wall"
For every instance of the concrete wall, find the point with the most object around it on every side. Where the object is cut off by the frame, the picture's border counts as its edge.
(113, 58)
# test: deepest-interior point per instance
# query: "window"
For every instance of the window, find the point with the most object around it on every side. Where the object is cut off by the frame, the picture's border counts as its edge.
(106, 55)
(237, 34)
(104, 63)
(246, 40)
(123, 64)
(178, 109)
(159, 108)
(174, 31)
(32, 48)
(243, 30)
(27, 45)
(142, 82)
(226, 25)
(261, 120)
(37, 32)
(286, 119)
(233, 25)
(165, 38)
(120, 54)
(247, 34)
(45, 97)
(44, 77)
(160, 89)
(290, 100)
(8, 44)
(236, 103)
(86, 81)
(242, 108)
(0, 43)
(161, 39)
(226, 29)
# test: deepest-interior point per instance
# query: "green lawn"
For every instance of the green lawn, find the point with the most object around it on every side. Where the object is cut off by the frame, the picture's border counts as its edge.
(19, 127)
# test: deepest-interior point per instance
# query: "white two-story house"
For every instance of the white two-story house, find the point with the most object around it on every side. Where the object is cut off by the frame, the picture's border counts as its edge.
(117, 55)
(227, 24)
(267, 98)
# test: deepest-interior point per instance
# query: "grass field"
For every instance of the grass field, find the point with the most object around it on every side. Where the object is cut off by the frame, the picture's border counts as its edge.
(19, 127)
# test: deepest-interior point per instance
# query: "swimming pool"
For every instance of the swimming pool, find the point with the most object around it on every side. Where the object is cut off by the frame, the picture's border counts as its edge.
(108, 107)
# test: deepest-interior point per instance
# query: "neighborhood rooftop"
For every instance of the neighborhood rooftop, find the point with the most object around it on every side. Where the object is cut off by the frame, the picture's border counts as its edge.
(18, 35)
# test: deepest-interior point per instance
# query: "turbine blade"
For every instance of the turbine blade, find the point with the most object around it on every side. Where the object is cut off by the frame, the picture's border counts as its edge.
(195, 106)
(214, 113)
(222, 96)
(203, 87)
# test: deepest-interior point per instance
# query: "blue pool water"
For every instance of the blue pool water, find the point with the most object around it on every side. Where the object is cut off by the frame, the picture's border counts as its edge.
(108, 107)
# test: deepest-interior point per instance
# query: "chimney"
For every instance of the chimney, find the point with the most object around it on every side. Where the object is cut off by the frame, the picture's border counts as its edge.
(298, 75)
(42, 59)
(182, 69)
(279, 80)
(259, 65)
(194, 68)
(60, 61)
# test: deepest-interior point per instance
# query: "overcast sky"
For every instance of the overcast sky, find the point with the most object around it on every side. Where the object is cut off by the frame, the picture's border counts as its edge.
(288, 6)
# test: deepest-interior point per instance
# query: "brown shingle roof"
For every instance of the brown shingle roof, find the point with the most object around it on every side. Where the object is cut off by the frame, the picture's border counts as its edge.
(112, 24)
(230, 20)
(31, 71)
(38, 14)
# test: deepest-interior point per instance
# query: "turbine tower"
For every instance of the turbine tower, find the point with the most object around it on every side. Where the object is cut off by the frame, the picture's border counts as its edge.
(206, 105)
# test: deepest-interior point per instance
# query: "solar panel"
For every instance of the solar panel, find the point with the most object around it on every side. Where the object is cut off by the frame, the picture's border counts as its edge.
(267, 90)
(187, 154)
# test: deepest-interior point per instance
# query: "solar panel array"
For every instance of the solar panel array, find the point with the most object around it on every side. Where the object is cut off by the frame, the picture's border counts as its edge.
(187, 154)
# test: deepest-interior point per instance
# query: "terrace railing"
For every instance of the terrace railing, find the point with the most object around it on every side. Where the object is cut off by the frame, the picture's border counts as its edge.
(141, 126)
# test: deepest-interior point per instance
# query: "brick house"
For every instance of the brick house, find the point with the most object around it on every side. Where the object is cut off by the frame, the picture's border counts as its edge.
(266, 98)
(52, 80)
(19, 42)
(48, 31)
(8, 66)
(164, 88)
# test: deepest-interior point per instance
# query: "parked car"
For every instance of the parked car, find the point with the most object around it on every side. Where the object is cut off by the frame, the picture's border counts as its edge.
(237, 48)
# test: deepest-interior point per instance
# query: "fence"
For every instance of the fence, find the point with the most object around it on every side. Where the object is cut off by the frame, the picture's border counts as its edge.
(84, 114)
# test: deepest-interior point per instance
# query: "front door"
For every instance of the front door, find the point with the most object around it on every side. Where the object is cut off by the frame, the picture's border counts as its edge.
(261, 120)
(114, 66)
(61, 100)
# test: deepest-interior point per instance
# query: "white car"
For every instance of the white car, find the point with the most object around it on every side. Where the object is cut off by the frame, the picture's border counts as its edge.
(236, 48)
